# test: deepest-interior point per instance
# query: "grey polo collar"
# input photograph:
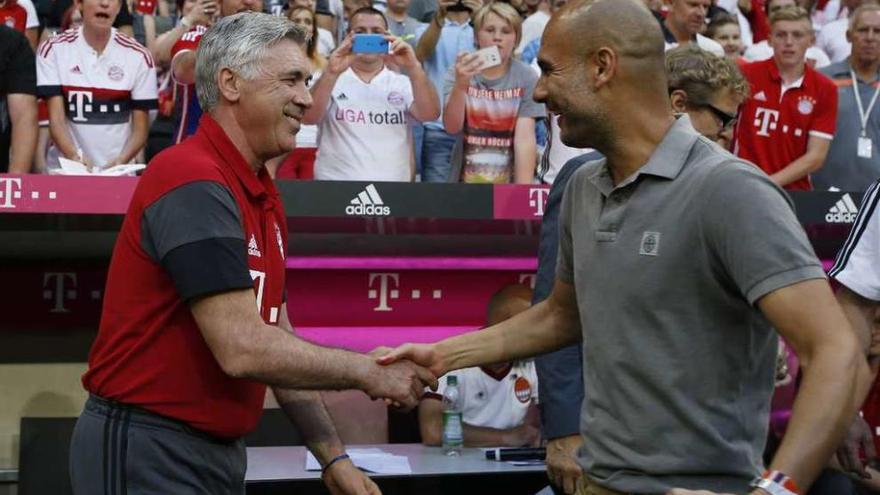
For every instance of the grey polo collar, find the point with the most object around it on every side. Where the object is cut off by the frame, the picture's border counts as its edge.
(666, 161)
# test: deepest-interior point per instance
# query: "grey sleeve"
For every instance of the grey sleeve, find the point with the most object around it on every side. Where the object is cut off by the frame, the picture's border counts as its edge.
(195, 233)
(751, 227)
(448, 84)
(564, 265)
(528, 107)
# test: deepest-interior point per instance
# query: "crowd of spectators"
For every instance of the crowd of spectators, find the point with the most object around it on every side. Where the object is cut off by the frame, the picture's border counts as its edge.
(106, 82)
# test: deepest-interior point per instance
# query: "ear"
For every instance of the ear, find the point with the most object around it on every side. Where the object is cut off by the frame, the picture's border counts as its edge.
(604, 66)
(678, 99)
(229, 84)
(849, 36)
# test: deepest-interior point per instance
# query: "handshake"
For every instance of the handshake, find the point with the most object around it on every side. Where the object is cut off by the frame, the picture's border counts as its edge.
(399, 376)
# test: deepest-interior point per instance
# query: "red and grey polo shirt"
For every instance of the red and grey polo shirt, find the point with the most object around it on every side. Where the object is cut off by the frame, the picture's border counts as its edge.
(200, 222)
(775, 122)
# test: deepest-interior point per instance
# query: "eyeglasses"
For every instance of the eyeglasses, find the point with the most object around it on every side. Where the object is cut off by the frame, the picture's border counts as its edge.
(726, 119)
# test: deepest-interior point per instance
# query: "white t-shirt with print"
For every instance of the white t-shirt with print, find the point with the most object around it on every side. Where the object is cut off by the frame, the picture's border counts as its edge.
(99, 90)
(364, 134)
(500, 402)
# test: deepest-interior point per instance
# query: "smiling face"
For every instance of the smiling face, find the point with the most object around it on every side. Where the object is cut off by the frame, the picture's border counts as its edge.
(564, 87)
(272, 104)
(98, 15)
(729, 38)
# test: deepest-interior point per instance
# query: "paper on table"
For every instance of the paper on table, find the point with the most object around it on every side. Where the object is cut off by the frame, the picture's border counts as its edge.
(369, 459)
(73, 167)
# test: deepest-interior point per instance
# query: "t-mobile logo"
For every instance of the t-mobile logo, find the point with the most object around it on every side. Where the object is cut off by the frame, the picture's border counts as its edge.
(765, 121)
(10, 188)
(79, 102)
(538, 199)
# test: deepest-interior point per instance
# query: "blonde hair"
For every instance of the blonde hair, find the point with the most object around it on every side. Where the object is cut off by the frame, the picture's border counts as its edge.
(701, 74)
(789, 13)
(504, 11)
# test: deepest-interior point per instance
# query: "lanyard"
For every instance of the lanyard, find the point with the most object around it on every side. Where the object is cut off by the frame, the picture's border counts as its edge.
(863, 115)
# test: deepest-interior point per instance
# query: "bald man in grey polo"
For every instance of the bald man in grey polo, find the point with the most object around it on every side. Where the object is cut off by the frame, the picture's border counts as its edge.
(667, 267)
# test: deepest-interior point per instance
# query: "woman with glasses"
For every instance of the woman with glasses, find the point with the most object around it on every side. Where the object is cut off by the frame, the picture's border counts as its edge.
(708, 88)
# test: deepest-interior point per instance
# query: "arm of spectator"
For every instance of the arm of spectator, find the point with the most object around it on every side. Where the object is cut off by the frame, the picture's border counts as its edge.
(467, 65)
(426, 103)
(809, 162)
(428, 40)
(834, 373)
(861, 311)
(525, 151)
(183, 67)
(59, 132)
(23, 118)
(339, 62)
(200, 15)
(431, 429)
(32, 36)
(140, 127)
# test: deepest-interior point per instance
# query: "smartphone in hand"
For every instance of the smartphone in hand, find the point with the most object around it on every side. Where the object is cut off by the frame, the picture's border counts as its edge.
(369, 43)
(489, 57)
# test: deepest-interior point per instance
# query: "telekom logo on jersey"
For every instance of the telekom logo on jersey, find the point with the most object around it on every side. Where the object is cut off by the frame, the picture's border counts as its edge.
(80, 102)
(766, 120)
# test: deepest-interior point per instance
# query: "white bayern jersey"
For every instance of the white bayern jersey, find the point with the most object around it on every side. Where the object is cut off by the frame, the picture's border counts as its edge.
(858, 263)
(499, 402)
(99, 91)
(364, 134)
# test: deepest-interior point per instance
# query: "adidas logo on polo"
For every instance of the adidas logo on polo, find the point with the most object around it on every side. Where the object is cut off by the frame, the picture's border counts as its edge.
(844, 211)
(761, 96)
(76, 69)
(253, 250)
(368, 202)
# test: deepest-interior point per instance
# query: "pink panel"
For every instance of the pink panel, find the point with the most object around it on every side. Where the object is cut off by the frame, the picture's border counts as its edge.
(519, 202)
(53, 194)
(365, 339)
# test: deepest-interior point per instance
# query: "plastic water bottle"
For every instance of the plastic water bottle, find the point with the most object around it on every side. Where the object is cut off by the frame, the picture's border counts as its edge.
(453, 434)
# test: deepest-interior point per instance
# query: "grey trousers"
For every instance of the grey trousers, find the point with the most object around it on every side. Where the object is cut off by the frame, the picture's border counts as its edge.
(123, 450)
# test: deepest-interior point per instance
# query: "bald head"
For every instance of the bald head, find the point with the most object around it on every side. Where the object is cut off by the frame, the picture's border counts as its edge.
(625, 26)
(508, 302)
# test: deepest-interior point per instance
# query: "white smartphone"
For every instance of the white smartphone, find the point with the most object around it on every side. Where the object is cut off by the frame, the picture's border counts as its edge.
(489, 57)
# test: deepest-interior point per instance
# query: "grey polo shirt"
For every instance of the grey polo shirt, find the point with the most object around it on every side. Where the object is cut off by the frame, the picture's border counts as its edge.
(667, 268)
(843, 167)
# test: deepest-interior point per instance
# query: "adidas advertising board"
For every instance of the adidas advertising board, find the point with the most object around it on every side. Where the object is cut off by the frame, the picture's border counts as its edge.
(843, 211)
(368, 203)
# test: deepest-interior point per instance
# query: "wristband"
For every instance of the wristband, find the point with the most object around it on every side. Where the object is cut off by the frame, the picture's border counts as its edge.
(340, 457)
(775, 483)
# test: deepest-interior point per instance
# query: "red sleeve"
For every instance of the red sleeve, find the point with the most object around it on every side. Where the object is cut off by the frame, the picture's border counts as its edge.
(826, 109)
(189, 41)
(757, 18)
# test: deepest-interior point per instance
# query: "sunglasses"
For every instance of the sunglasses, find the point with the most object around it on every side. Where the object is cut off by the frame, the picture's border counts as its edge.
(726, 119)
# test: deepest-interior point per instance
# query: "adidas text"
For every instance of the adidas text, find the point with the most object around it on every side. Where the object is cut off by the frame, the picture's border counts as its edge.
(844, 211)
(368, 202)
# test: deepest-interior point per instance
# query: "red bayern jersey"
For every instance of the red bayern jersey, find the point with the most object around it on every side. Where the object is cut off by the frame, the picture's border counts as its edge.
(149, 351)
(146, 7)
(14, 15)
(775, 124)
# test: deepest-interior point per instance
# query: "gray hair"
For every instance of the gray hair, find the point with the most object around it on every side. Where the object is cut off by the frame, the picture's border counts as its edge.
(239, 43)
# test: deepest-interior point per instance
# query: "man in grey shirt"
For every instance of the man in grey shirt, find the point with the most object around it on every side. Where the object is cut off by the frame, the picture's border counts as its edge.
(675, 260)
(400, 23)
(851, 164)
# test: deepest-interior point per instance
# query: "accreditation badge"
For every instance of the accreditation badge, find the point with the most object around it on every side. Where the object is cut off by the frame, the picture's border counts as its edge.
(865, 147)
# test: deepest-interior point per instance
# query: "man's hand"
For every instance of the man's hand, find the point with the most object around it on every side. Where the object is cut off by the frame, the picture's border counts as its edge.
(442, 7)
(344, 478)
(858, 438)
(202, 13)
(562, 469)
(341, 58)
(524, 435)
(422, 354)
(401, 382)
(401, 54)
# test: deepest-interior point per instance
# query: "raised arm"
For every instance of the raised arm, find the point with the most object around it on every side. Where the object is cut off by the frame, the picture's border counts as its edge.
(339, 61)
